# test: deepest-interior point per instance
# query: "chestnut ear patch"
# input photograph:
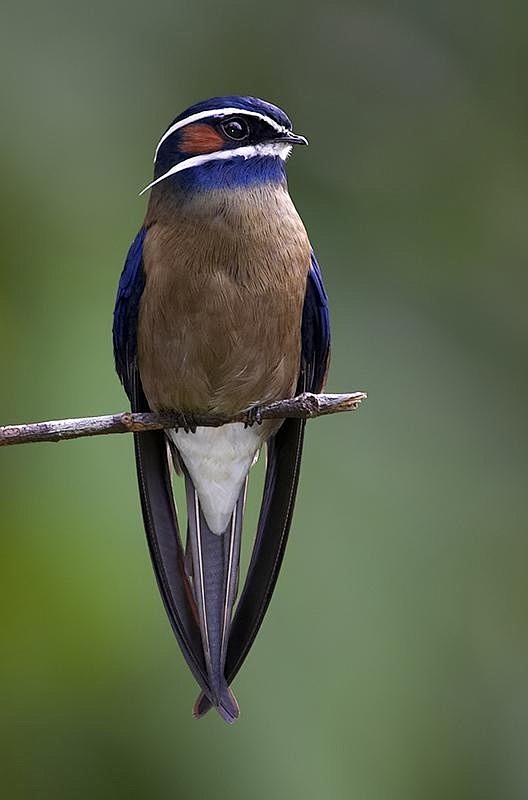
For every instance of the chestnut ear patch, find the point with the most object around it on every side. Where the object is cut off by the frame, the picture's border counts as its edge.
(200, 138)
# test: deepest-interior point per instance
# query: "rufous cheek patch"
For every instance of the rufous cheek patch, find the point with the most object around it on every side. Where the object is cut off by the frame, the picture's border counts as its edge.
(201, 138)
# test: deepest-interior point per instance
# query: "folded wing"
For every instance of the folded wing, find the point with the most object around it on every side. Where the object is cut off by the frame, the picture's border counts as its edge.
(153, 472)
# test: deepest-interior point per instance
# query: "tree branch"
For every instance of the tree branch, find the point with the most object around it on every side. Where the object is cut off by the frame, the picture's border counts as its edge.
(305, 406)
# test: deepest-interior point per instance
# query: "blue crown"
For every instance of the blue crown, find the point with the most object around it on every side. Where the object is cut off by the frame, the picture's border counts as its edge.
(238, 101)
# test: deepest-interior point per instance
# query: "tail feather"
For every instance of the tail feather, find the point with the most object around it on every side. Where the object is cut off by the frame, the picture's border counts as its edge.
(215, 566)
(282, 475)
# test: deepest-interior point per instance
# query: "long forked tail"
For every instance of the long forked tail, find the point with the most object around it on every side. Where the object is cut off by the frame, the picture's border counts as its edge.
(215, 568)
(282, 475)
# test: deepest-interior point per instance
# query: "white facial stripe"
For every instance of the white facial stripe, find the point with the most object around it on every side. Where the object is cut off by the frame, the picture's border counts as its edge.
(217, 112)
(280, 149)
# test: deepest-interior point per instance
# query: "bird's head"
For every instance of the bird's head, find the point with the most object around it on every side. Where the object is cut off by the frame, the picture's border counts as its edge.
(224, 142)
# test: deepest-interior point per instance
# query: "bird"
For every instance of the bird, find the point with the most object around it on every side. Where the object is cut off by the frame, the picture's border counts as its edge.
(220, 308)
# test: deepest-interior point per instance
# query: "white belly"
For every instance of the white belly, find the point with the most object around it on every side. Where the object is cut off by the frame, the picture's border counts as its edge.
(218, 460)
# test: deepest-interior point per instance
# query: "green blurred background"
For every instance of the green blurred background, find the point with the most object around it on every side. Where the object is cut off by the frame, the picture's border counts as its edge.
(394, 659)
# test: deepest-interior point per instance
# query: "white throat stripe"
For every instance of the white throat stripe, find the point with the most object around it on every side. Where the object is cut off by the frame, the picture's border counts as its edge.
(217, 112)
(280, 149)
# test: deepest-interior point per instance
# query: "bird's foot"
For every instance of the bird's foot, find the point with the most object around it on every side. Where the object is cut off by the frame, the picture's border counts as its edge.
(252, 416)
(185, 421)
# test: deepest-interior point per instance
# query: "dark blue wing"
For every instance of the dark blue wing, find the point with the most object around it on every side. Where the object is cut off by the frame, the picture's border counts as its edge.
(315, 330)
(282, 477)
(131, 285)
(153, 472)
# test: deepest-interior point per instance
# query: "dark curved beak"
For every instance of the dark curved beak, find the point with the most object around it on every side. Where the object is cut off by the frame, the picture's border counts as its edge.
(291, 138)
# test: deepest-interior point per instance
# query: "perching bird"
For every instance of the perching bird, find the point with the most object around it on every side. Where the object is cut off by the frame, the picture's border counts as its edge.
(220, 309)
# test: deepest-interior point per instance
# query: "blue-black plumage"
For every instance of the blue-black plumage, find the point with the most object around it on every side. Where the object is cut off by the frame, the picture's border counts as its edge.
(220, 307)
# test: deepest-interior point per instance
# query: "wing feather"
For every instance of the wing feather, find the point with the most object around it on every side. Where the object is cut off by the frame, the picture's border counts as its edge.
(153, 473)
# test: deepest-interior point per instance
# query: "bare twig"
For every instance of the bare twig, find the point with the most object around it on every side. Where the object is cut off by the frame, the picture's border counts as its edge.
(304, 406)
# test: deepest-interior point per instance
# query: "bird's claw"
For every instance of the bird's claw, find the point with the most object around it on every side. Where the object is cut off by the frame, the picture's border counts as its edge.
(252, 416)
(185, 421)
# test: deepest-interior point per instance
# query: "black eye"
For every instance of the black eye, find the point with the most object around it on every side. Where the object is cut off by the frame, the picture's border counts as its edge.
(235, 128)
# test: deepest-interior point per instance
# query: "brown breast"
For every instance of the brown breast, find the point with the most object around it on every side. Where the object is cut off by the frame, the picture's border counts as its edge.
(220, 317)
